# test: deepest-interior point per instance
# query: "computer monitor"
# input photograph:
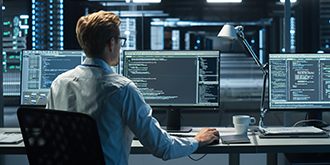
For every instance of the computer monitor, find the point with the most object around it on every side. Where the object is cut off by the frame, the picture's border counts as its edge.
(175, 79)
(40, 68)
(299, 82)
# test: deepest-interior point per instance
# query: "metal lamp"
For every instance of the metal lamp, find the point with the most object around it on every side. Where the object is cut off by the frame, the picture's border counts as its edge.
(230, 32)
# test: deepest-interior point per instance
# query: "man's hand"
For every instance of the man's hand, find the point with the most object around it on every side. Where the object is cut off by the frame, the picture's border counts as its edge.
(207, 136)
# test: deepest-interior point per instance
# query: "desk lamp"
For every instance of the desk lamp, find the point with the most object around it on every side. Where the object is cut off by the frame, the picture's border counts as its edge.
(230, 32)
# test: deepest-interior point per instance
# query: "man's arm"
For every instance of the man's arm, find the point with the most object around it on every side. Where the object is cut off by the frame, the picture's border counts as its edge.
(138, 116)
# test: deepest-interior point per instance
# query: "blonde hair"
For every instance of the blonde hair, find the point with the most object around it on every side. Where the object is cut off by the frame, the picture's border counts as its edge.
(95, 30)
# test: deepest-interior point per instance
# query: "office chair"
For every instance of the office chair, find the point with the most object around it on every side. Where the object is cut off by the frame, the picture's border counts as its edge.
(53, 137)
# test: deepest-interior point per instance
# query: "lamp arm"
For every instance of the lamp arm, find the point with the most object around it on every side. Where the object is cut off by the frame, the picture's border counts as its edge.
(265, 74)
(256, 59)
(239, 32)
(263, 93)
(262, 104)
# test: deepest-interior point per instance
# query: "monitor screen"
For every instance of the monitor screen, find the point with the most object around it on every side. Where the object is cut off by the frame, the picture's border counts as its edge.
(299, 81)
(175, 78)
(40, 68)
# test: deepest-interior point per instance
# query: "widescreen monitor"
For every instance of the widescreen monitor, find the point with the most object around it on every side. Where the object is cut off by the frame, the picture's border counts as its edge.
(299, 82)
(175, 78)
(40, 68)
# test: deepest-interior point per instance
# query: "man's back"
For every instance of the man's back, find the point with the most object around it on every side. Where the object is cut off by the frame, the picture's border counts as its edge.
(115, 102)
(94, 90)
(119, 110)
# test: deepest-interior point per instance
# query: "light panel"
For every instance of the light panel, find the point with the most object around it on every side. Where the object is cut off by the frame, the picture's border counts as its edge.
(146, 1)
(223, 1)
(292, 1)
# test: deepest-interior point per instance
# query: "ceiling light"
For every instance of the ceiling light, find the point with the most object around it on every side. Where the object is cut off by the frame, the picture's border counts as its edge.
(292, 1)
(146, 1)
(223, 1)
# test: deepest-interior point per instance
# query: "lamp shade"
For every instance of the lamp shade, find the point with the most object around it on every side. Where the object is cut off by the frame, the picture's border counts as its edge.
(228, 32)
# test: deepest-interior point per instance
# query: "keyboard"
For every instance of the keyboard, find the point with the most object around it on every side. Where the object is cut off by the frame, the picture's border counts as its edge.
(11, 138)
(291, 130)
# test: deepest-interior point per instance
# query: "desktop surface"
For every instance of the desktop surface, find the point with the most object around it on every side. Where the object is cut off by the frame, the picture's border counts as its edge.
(256, 145)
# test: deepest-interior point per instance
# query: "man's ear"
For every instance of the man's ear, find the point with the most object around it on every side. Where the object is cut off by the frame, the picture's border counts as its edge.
(110, 44)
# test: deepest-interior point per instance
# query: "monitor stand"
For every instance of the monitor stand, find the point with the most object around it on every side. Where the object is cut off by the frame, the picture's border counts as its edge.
(315, 115)
(173, 118)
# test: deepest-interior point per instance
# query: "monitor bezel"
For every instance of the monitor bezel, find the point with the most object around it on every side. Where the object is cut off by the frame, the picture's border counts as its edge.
(290, 109)
(178, 106)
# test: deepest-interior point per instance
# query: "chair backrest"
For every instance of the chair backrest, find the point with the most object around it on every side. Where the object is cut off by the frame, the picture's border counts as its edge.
(53, 137)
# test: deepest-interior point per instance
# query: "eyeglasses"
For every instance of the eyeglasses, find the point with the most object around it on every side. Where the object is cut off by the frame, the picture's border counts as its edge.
(122, 40)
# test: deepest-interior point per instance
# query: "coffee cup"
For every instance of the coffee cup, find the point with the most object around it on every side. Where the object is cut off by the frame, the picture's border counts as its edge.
(242, 122)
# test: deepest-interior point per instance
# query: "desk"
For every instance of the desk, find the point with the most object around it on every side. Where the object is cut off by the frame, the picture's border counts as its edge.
(137, 147)
(272, 146)
(292, 145)
(257, 145)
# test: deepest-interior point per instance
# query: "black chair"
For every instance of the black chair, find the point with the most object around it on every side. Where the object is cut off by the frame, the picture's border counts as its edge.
(53, 137)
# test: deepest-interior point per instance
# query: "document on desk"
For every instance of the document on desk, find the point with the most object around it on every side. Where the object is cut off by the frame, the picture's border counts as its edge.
(231, 139)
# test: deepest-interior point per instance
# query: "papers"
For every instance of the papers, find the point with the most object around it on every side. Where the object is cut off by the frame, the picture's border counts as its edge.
(230, 139)
(11, 138)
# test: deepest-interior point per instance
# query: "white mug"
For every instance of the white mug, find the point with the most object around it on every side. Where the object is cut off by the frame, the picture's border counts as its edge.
(242, 122)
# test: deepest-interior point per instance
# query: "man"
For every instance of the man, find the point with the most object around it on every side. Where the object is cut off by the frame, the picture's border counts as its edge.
(113, 100)
(168, 39)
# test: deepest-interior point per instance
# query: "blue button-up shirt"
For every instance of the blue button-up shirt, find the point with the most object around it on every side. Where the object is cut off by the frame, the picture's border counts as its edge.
(119, 110)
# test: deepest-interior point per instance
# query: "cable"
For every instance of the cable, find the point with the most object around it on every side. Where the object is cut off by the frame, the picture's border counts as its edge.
(303, 121)
(198, 158)
(306, 116)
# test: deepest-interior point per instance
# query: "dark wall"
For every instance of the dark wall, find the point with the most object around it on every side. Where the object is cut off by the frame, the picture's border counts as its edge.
(307, 41)
(307, 23)
(73, 11)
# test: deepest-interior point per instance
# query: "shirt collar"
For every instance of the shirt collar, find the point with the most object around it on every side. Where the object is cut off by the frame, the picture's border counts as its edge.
(97, 62)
